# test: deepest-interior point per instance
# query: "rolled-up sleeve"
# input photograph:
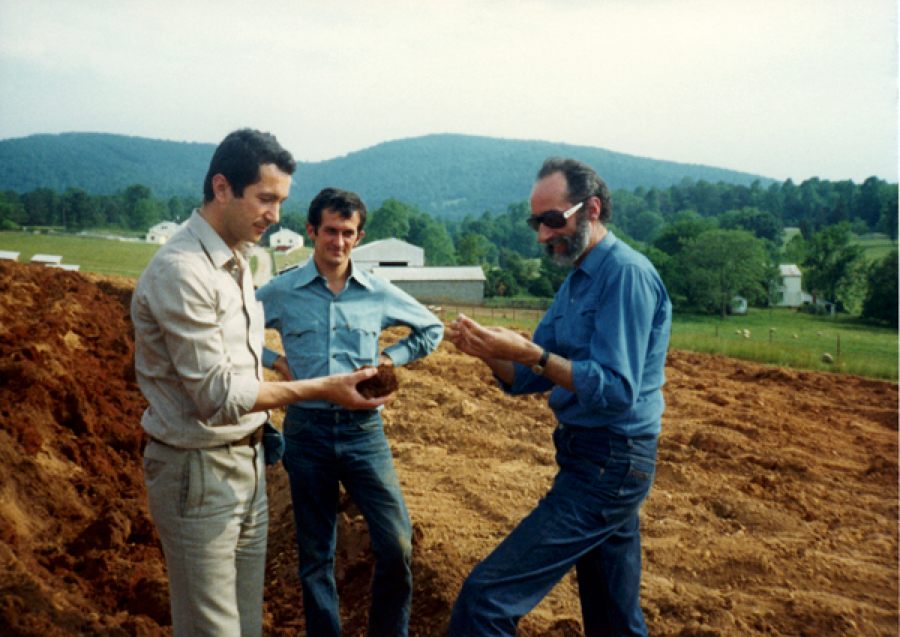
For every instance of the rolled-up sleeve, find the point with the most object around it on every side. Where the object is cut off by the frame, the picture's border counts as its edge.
(194, 328)
(426, 330)
(526, 381)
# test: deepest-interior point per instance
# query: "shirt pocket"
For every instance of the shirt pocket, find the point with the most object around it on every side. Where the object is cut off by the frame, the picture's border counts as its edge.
(307, 342)
(574, 332)
(358, 342)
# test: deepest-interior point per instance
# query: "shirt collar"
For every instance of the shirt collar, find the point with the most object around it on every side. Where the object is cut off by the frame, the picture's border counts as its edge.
(596, 255)
(216, 249)
(308, 273)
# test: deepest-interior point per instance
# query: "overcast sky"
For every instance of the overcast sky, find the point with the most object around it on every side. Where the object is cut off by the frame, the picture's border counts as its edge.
(780, 88)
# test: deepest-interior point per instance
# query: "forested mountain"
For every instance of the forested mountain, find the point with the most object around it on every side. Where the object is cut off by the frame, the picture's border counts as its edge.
(103, 164)
(445, 175)
(452, 175)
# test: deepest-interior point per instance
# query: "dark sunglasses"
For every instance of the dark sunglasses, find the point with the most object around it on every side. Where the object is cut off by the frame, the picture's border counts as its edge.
(553, 218)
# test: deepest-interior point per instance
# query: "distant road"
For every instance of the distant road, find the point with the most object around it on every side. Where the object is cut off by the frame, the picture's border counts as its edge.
(263, 266)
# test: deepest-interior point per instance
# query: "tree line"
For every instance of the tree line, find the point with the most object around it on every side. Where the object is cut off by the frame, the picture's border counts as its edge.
(710, 242)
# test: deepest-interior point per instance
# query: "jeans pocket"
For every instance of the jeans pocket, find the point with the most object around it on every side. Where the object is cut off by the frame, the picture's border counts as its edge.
(367, 425)
(638, 479)
(193, 487)
(152, 470)
(624, 478)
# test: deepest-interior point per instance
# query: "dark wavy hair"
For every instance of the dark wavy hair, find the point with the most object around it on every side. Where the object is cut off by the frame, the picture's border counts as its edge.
(343, 202)
(239, 157)
(582, 182)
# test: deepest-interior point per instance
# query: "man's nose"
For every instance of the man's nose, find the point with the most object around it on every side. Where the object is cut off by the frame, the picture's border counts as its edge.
(544, 233)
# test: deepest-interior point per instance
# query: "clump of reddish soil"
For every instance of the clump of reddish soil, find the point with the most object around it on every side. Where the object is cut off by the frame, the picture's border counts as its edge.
(382, 384)
(774, 510)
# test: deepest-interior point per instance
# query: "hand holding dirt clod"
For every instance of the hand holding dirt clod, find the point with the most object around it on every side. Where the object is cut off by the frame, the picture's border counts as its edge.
(381, 384)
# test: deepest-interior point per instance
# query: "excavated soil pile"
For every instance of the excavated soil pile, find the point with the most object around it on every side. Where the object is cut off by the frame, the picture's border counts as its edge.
(774, 510)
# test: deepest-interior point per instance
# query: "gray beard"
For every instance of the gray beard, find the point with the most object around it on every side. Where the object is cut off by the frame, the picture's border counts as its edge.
(575, 245)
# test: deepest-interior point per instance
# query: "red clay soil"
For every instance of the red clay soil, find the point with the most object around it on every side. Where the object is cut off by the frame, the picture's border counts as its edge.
(774, 510)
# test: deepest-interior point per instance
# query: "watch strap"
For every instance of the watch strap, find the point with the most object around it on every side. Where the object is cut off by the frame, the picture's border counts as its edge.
(538, 368)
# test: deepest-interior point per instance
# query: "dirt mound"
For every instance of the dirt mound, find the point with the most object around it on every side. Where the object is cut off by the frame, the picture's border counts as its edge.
(774, 510)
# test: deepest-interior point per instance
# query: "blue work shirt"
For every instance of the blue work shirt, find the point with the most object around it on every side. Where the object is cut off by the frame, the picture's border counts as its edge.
(325, 333)
(611, 318)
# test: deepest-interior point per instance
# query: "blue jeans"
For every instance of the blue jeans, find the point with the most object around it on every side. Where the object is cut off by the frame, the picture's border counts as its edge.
(588, 519)
(325, 448)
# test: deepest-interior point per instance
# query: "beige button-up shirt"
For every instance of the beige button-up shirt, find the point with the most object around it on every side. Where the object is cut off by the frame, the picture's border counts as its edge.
(198, 341)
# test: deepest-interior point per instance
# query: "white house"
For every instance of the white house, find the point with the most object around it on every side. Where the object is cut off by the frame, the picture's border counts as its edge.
(285, 239)
(388, 253)
(440, 284)
(46, 259)
(162, 232)
(792, 294)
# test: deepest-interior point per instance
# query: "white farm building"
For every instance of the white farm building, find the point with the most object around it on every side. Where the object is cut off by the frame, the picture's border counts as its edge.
(792, 294)
(162, 232)
(285, 239)
(392, 253)
(444, 284)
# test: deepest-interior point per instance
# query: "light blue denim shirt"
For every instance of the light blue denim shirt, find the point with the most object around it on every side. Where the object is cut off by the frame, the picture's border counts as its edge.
(611, 317)
(325, 333)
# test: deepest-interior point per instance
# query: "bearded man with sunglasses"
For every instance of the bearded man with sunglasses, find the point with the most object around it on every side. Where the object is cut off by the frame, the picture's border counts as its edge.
(600, 350)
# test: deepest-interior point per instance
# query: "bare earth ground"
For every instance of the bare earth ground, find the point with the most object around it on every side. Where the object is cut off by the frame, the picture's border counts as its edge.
(774, 510)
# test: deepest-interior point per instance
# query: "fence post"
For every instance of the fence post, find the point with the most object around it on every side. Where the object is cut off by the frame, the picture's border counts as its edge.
(838, 345)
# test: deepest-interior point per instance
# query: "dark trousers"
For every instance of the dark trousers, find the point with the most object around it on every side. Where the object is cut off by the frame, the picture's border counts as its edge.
(589, 520)
(325, 448)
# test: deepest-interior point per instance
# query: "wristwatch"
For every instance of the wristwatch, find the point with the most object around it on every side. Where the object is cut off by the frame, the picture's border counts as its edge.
(538, 368)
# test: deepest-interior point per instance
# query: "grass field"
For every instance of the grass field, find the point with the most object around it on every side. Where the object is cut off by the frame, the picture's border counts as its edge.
(103, 256)
(779, 336)
(285, 259)
(875, 246)
(793, 339)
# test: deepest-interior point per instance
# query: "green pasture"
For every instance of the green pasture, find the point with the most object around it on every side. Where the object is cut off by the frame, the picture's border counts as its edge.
(92, 254)
(286, 259)
(779, 336)
(106, 255)
(875, 246)
(793, 339)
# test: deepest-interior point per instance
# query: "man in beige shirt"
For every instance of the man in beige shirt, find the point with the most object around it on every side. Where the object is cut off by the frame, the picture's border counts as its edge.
(198, 358)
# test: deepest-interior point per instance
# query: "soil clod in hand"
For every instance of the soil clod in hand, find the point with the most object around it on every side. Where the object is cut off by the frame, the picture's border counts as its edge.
(379, 385)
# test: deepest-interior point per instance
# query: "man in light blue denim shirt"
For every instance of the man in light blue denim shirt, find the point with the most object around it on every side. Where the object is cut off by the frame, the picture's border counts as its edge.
(600, 350)
(330, 315)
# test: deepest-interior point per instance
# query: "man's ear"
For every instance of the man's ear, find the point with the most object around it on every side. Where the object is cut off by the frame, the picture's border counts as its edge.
(311, 232)
(594, 208)
(359, 237)
(221, 188)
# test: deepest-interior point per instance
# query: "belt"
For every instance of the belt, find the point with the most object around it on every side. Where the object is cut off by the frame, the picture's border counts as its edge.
(250, 440)
(328, 416)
